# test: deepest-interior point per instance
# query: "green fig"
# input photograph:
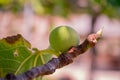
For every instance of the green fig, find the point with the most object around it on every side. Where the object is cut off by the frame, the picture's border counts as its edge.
(63, 37)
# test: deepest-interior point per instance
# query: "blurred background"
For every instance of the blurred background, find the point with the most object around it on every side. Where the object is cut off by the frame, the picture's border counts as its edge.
(34, 19)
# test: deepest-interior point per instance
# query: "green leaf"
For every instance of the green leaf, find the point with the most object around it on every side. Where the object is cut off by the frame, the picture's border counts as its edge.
(17, 56)
(114, 3)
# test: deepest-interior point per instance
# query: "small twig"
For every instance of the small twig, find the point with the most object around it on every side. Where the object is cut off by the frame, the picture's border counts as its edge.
(56, 63)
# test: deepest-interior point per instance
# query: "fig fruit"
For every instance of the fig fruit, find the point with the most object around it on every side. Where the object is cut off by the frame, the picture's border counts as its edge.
(63, 37)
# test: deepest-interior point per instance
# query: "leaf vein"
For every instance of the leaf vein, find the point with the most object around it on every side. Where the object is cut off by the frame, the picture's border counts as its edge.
(11, 60)
(23, 63)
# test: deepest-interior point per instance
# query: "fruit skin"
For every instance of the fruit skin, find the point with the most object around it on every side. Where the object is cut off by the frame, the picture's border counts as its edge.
(63, 37)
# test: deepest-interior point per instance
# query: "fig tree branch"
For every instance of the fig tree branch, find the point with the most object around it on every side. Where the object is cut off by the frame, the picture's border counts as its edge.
(56, 63)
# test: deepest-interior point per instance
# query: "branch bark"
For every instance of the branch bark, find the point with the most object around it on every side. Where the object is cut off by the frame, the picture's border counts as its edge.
(56, 63)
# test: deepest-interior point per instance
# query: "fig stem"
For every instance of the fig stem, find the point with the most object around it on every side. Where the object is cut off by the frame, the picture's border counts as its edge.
(59, 62)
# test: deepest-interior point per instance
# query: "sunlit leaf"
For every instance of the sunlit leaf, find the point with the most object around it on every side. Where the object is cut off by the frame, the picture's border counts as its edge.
(16, 56)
